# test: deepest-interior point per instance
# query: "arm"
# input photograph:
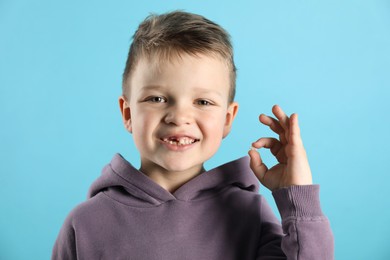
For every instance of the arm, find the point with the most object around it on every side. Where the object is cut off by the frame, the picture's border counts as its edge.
(306, 228)
(65, 245)
(307, 233)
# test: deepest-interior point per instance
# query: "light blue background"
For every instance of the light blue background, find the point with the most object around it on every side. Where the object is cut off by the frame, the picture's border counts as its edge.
(60, 77)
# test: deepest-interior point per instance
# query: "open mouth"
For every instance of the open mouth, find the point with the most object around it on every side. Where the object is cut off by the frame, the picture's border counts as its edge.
(180, 141)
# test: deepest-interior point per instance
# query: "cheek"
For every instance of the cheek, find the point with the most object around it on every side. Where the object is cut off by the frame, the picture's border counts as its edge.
(143, 126)
(142, 120)
(214, 126)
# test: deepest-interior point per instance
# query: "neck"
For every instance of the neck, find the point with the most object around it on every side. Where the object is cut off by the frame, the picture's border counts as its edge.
(171, 180)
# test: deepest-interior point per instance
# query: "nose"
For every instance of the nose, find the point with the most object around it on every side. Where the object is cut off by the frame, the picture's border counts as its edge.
(178, 114)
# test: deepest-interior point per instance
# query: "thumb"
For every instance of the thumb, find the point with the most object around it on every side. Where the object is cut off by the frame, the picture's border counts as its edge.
(256, 164)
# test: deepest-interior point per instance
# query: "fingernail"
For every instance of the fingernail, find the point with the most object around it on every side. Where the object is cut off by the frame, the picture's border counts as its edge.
(252, 148)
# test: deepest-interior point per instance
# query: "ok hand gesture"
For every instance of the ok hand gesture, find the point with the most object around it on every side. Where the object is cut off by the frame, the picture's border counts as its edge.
(293, 166)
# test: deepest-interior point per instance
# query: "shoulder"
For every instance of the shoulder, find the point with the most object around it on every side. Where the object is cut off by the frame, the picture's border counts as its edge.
(87, 210)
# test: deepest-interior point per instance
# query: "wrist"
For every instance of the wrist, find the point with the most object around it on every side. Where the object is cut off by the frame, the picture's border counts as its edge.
(298, 201)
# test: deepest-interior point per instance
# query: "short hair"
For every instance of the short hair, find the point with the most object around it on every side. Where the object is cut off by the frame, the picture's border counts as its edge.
(179, 32)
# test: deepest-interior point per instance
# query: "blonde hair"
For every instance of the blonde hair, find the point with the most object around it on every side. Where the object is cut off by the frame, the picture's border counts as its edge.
(179, 32)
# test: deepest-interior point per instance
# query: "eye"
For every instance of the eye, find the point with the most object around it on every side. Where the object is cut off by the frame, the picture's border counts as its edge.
(203, 102)
(156, 99)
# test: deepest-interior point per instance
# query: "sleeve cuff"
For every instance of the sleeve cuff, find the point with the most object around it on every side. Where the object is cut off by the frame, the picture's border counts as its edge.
(298, 201)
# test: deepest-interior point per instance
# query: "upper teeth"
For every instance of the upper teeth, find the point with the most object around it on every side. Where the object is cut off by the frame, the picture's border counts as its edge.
(179, 141)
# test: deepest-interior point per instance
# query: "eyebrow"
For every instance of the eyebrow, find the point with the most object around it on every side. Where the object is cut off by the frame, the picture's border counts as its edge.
(151, 87)
(203, 90)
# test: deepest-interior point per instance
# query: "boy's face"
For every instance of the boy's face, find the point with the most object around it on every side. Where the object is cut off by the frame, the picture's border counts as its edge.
(178, 111)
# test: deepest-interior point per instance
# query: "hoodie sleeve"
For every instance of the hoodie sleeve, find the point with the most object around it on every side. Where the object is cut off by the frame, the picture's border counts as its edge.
(65, 245)
(307, 232)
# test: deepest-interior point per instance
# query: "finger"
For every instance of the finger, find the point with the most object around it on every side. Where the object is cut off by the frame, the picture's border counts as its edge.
(281, 116)
(267, 142)
(274, 145)
(295, 132)
(274, 125)
(257, 165)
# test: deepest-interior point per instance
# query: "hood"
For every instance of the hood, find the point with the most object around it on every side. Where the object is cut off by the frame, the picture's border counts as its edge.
(122, 182)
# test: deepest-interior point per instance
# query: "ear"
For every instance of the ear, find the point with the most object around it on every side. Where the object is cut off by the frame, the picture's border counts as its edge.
(125, 111)
(230, 115)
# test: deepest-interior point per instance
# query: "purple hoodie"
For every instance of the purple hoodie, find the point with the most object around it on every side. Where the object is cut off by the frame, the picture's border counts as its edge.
(217, 215)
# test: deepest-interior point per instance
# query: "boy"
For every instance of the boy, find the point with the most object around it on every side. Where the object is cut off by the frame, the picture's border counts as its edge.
(178, 103)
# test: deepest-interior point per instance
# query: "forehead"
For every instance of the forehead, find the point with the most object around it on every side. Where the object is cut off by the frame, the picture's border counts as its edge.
(158, 60)
(186, 70)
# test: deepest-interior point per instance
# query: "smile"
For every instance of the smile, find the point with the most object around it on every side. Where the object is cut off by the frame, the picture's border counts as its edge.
(180, 141)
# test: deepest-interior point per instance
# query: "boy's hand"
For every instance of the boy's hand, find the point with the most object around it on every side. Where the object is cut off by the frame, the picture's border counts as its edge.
(293, 167)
